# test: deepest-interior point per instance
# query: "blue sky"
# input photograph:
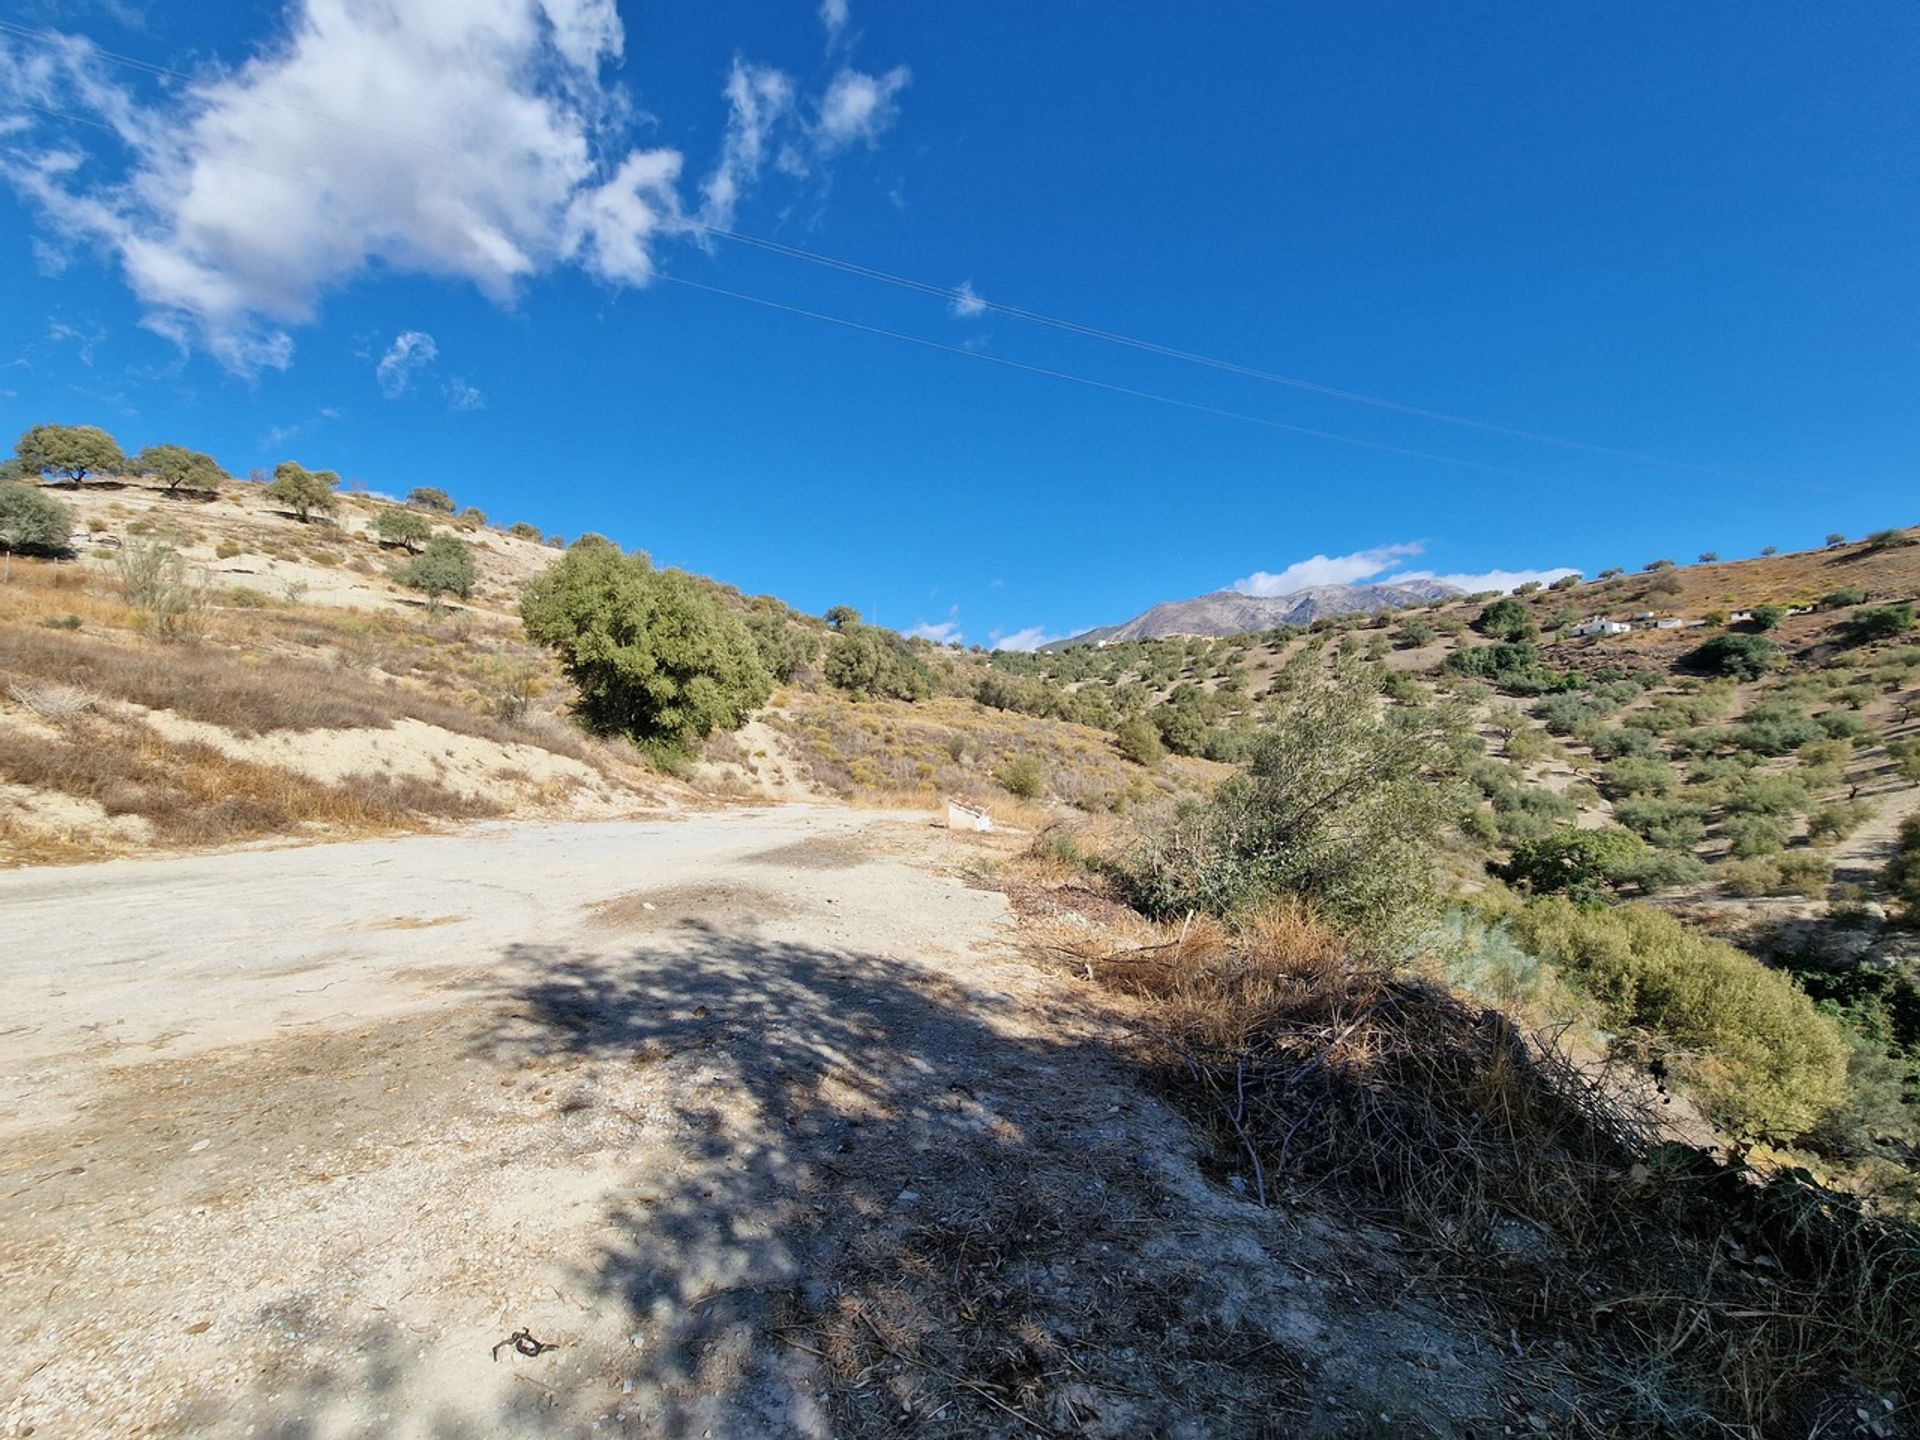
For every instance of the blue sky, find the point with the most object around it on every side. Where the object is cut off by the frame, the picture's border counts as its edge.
(459, 243)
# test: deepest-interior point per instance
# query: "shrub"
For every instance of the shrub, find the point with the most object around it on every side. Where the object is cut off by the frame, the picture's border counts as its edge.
(1888, 540)
(32, 522)
(1565, 582)
(1841, 599)
(1835, 538)
(1752, 836)
(1760, 1057)
(1879, 622)
(653, 654)
(1669, 824)
(473, 516)
(445, 567)
(1767, 617)
(1022, 777)
(1341, 803)
(70, 451)
(404, 528)
(1507, 619)
(1639, 775)
(431, 497)
(1805, 874)
(1138, 741)
(1584, 864)
(1743, 657)
(870, 663)
(304, 491)
(1749, 879)
(1653, 566)
(1709, 557)
(1413, 634)
(521, 530)
(783, 647)
(157, 582)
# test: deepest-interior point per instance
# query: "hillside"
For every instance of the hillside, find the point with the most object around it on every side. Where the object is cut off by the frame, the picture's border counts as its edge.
(1440, 948)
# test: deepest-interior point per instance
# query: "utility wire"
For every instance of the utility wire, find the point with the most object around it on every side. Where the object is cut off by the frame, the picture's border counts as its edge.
(1194, 405)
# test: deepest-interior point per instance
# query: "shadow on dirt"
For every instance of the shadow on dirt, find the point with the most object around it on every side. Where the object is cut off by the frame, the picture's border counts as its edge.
(876, 1202)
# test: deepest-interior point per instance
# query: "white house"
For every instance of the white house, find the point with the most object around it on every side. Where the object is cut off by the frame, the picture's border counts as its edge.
(1599, 626)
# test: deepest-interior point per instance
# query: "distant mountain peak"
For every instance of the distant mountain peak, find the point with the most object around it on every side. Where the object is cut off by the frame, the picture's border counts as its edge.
(1228, 612)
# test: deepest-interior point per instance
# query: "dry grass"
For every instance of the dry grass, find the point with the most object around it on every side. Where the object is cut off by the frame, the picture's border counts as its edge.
(1674, 1292)
(194, 795)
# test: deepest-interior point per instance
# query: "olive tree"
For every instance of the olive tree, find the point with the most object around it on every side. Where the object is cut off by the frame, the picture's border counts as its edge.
(653, 653)
(445, 567)
(179, 468)
(404, 528)
(72, 452)
(431, 497)
(304, 491)
(1342, 802)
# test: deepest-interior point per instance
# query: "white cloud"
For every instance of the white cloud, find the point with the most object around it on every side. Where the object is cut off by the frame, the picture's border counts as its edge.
(1031, 638)
(280, 434)
(411, 352)
(462, 396)
(759, 99)
(474, 140)
(833, 15)
(858, 107)
(1491, 579)
(942, 632)
(1328, 570)
(1380, 566)
(966, 304)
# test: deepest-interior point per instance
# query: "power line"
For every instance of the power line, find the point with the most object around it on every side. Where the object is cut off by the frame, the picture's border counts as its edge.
(969, 300)
(1091, 383)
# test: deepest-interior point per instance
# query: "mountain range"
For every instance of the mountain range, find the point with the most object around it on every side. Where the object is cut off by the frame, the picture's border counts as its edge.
(1228, 612)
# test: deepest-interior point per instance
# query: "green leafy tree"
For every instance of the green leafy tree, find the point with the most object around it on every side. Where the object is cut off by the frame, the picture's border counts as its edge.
(405, 528)
(1612, 572)
(871, 663)
(1653, 565)
(1835, 539)
(304, 491)
(1769, 550)
(431, 497)
(179, 468)
(473, 517)
(783, 647)
(1565, 582)
(1742, 657)
(523, 530)
(840, 617)
(1767, 617)
(72, 452)
(653, 654)
(31, 522)
(445, 567)
(1507, 619)
(1709, 557)
(1583, 864)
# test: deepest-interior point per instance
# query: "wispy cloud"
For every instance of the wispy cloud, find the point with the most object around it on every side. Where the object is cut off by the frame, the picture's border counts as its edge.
(462, 396)
(1381, 565)
(411, 352)
(967, 304)
(833, 15)
(280, 434)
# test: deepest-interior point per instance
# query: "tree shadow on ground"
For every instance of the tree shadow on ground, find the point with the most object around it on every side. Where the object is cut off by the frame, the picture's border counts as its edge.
(897, 1207)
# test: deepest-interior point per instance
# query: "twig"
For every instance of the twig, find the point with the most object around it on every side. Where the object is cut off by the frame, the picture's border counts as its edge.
(978, 1388)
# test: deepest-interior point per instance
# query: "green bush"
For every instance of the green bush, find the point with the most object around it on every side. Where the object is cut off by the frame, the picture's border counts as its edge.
(523, 530)
(32, 522)
(653, 654)
(1879, 622)
(1507, 619)
(1138, 741)
(1750, 878)
(1341, 802)
(783, 646)
(1767, 617)
(1022, 777)
(1841, 599)
(1668, 824)
(1761, 1059)
(1903, 871)
(1584, 864)
(445, 567)
(1744, 657)
(1752, 836)
(1639, 775)
(870, 663)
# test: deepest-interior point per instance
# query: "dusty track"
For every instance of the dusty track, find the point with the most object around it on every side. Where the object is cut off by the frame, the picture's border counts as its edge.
(295, 1138)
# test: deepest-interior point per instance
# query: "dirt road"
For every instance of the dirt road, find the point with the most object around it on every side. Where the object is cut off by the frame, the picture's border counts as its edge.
(749, 1114)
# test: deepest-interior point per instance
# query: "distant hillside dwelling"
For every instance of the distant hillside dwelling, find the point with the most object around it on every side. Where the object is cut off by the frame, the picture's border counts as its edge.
(1602, 627)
